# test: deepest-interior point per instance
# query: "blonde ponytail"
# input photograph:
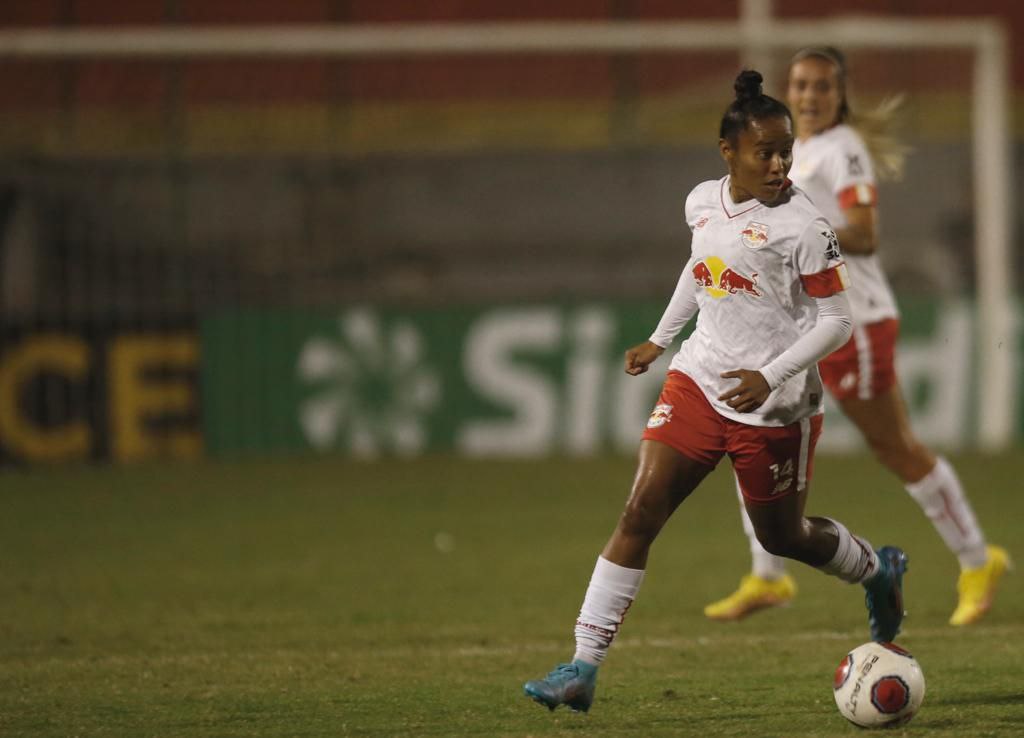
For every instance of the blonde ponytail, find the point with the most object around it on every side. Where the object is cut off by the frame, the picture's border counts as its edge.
(888, 153)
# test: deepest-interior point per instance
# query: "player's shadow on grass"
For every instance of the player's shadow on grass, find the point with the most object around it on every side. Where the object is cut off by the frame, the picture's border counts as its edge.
(987, 698)
(1009, 698)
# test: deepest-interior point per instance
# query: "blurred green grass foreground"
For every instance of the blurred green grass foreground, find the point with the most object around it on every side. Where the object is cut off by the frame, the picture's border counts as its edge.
(323, 597)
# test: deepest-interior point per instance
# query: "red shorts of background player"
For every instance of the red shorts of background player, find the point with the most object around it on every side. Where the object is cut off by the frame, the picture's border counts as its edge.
(863, 367)
(770, 462)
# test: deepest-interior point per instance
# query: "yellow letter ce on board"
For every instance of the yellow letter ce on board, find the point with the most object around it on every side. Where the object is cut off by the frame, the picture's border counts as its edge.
(146, 379)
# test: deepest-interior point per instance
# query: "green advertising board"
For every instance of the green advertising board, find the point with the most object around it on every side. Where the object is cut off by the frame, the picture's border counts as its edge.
(513, 380)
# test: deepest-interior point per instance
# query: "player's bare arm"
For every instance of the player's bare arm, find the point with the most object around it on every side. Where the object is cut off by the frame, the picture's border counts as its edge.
(641, 356)
(749, 394)
(860, 236)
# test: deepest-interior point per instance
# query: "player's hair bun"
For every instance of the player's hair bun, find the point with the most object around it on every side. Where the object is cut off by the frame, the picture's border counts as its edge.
(750, 104)
(748, 85)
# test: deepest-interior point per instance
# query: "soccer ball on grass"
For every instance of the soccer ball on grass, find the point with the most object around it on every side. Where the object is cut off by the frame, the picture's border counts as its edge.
(878, 685)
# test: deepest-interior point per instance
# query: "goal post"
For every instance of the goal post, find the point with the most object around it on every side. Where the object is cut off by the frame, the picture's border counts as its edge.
(986, 39)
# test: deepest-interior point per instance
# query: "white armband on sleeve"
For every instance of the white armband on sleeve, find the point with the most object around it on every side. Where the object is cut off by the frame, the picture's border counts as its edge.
(681, 308)
(832, 330)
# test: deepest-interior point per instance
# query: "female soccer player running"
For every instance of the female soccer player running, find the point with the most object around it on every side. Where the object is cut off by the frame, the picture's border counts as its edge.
(834, 167)
(763, 262)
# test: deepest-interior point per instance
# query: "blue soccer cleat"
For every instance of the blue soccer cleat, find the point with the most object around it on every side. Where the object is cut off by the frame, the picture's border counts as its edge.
(569, 684)
(884, 594)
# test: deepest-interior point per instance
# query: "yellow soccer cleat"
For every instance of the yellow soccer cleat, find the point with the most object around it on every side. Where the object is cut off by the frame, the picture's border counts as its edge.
(977, 587)
(754, 594)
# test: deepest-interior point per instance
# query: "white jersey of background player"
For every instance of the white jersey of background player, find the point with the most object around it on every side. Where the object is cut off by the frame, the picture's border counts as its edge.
(834, 168)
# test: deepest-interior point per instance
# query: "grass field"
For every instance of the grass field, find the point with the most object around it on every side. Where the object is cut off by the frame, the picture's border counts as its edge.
(331, 598)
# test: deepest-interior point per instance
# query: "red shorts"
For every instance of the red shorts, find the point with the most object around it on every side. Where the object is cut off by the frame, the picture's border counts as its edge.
(864, 367)
(770, 462)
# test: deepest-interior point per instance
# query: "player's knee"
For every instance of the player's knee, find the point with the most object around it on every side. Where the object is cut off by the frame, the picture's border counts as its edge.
(890, 454)
(903, 455)
(644, 514)
(893, 446)
(639, 520)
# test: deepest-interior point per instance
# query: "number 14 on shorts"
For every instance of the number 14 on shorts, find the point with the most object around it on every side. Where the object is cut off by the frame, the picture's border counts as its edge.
(783, 476)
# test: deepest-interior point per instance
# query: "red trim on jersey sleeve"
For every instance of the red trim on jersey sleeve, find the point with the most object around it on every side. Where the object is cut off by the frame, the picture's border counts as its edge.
(826, 283)
(861, 194)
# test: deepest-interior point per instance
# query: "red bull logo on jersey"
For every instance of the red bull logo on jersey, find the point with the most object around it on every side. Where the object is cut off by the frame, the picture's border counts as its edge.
(754, 235)
(719, 280)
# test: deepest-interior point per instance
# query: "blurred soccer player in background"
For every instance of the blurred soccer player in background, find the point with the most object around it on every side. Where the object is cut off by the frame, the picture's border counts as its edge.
(763, 261)
(835, 159)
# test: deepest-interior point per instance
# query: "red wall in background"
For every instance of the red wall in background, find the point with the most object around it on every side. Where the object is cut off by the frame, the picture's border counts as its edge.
(145, 84)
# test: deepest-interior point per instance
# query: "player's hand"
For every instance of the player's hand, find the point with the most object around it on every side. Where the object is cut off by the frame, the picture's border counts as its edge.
(749, 394)
(641, 356)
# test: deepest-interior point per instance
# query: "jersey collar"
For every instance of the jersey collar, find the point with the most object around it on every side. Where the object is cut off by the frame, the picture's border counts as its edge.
(734, 210)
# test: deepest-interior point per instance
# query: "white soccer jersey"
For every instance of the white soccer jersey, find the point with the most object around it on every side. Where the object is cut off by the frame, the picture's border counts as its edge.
(834, 169)
(756, 268)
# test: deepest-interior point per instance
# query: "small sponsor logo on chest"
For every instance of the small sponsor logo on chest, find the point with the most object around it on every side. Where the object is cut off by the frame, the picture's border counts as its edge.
(754, 235)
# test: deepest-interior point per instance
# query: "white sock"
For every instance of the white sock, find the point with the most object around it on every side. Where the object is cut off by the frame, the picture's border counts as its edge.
(855, 560)
(612, 590)
(763, 564)
(942, 498)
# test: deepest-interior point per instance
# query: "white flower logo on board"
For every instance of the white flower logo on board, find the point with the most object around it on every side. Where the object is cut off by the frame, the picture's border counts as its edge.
(372, 387)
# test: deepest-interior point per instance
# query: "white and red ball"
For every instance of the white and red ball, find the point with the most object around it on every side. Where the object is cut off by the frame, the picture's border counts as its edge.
(878, 685)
